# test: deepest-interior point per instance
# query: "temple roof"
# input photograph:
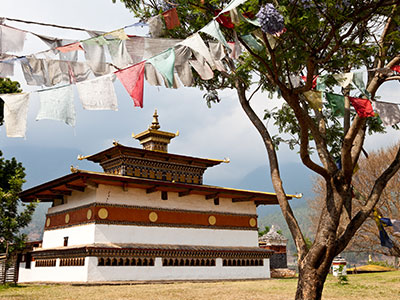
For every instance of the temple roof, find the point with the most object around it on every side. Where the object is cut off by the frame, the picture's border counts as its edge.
(79, 180)
(119, 149)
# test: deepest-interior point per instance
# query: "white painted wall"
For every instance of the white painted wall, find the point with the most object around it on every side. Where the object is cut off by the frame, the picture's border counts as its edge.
(76, 199)
(139, 197)
(77, 235)
(158, 272)
(54, 274)
(174, 236)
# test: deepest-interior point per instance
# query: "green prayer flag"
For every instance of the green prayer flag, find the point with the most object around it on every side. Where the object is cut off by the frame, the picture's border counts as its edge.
(358, 81)
(336, 103)
(100, 40)
(164, 63)
(321, 85)
(252, 42)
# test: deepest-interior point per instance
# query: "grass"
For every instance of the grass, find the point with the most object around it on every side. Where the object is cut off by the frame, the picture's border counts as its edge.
(360, 287)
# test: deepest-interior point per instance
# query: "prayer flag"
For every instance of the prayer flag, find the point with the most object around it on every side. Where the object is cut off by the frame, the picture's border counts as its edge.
(218, 53)
(321, 85)
(132, 79)
(196, 43)
(99, 40)
(182, 66)
(57, 104)
(396, 68)
(70, 47)
(252, 42)
(98, 93)
(119, 54)
(119, 34)
(388, 112)
(171, 18)
(15, 113)
(35, 71)
(224, 19)
(362, 106)
(95, 57)
(315, 99)
(231, 5)
(155, 26)
(214, 30)
(358, 81)
(12, 39)
(336, 103)
(383, 236)
(344, 79)
(164, 63)
(314, 81)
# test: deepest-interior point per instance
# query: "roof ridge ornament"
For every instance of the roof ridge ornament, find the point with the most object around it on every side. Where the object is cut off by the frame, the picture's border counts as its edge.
(155, 125)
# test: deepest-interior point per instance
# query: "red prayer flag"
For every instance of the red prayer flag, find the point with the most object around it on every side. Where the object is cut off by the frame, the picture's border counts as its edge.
(396, 68)
(171, 18)
(132, 79)
(70, 47)
(224, 19)
(314, 81)
(362, 106)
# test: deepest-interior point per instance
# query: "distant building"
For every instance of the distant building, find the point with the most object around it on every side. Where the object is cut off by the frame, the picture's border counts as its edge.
(148, 216)
(276, 242)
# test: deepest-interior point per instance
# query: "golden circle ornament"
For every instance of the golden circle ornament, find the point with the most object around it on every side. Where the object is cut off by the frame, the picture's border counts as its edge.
(212, 220)
(253, 222)
(66, 218)
(153, 217)
(89, 214)
(102, 213)
(48, 222)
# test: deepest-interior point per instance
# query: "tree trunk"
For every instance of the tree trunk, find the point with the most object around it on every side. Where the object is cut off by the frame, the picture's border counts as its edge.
(310, 283)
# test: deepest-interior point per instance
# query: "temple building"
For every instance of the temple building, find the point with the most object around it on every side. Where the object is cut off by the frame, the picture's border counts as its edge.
(148, 216)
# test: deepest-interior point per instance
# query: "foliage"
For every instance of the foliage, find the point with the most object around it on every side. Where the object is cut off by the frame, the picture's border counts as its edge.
(13, 215)
(7, 86)
(381, 263)
(342, 279)
(322, 38)
(262, 232)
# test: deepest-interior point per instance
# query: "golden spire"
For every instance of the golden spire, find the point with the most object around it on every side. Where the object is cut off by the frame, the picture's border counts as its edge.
(155, 125)
(153, 138)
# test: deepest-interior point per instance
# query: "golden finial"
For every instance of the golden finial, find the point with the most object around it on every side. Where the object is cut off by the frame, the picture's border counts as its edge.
(74, 169)
(155, 125)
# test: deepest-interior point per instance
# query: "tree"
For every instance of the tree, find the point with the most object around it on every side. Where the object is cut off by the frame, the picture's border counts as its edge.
(13, 215)
(310, 38)
(7, 86)
(368, 170)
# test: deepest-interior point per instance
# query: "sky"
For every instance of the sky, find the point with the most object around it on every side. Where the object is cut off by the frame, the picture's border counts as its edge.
(51, 147)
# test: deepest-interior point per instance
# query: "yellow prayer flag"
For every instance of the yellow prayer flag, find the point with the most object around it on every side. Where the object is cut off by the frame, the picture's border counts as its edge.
(315, 99)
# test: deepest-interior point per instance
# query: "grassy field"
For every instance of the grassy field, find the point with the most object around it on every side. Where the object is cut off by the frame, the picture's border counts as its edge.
(362, 286)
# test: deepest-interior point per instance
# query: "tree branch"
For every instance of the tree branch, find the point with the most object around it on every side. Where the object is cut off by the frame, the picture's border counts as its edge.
(274, 169)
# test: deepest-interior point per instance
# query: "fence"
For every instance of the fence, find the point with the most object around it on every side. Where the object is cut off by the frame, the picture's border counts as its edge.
(11, 275)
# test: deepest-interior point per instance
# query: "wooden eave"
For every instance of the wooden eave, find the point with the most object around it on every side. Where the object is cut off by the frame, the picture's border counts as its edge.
(120, 150)
(58, 188)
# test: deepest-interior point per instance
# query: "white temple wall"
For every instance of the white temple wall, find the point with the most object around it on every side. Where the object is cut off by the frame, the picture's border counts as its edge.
(53, 274)
(139, 197)
(158, 272)
(174, 236)
(76, 199)
(77, 235)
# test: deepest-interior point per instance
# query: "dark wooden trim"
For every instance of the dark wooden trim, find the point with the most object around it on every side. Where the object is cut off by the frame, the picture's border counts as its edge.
(185, 193)
(152, 189)
(212, 196)
(242, 199)
(61, 192)
(75, 187)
